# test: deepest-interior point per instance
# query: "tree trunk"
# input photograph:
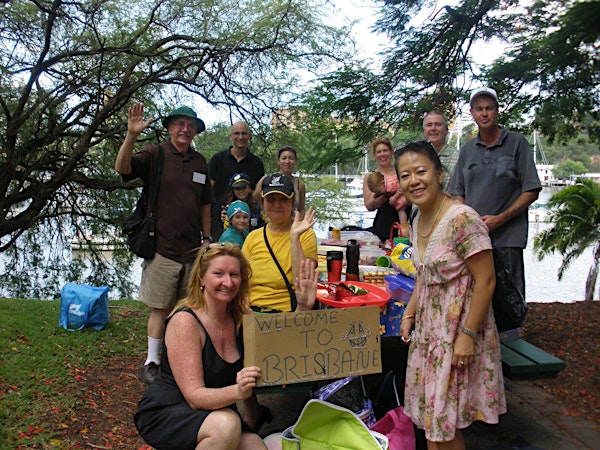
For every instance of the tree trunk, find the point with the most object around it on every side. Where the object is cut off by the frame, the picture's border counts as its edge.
(590, 284)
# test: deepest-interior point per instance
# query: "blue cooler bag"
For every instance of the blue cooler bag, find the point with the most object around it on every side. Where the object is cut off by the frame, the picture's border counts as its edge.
(83, 306)
(400, 288)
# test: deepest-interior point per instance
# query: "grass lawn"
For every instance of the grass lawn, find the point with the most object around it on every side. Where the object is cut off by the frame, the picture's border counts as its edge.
(43, 369)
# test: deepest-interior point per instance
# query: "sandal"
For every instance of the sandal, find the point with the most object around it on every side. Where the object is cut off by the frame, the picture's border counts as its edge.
(265, 416)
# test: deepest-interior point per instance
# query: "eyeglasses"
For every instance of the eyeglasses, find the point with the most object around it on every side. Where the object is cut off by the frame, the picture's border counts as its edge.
(182, 124)
(240, 133)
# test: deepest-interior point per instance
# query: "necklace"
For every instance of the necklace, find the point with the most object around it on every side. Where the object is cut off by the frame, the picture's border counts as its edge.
(426, 235)
(215, 324)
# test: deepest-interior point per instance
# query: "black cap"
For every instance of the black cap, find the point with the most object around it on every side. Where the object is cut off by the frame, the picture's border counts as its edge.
(278, 183)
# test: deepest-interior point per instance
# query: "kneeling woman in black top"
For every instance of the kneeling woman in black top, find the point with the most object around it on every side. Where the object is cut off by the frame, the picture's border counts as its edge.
(192, 402)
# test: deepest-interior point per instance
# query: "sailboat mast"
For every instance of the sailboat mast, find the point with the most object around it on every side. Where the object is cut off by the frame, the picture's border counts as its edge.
(534, 148)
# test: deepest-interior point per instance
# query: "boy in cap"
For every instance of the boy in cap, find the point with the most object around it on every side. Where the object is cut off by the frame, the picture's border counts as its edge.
(238, 214)
(183, 205)
(239, 189)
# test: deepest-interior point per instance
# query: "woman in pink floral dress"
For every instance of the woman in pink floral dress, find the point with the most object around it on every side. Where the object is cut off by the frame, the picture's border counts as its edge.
(454, 374)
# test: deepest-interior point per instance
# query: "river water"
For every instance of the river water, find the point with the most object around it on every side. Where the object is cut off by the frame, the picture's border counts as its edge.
(541, 277)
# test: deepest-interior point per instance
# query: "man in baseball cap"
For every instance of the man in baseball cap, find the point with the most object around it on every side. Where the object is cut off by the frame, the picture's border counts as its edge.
(483, 91)
(495, 174)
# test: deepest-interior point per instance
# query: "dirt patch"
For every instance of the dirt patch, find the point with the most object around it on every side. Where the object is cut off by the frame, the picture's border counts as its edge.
(571, 332)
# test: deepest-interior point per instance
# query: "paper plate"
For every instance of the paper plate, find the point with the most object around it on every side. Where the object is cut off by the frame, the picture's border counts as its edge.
(376, 296)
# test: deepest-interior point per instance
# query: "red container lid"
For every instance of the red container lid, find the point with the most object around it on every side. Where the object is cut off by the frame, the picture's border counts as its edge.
(376, 296)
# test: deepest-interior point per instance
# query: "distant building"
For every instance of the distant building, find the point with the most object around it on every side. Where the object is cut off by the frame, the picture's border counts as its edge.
(589, 176)
(545, 174)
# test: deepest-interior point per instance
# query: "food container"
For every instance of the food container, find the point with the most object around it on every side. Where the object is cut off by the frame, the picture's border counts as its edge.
(374, 274)
(369, 255)
(390, 318)
(400, 287)
(365, 238)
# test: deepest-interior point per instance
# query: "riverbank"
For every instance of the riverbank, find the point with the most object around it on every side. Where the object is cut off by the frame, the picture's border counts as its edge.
(63, 390)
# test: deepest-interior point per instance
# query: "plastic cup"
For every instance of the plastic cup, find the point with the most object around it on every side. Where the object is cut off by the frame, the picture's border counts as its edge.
(334, 266)
(383, 261)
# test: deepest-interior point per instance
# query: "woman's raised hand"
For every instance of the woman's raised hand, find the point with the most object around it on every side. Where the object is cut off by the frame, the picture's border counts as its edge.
(300, 225)
(306, 285)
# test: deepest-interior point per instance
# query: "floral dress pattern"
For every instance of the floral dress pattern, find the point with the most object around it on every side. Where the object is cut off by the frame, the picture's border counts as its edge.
(439, 398)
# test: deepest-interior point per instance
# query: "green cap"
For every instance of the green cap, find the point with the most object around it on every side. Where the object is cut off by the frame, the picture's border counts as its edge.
(187, 112)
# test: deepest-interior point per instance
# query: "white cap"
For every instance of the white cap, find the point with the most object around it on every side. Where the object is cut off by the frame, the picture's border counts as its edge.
(484, 91)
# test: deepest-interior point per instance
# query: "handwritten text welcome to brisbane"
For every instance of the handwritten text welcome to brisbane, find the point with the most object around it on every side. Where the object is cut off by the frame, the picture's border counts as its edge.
(313, 345)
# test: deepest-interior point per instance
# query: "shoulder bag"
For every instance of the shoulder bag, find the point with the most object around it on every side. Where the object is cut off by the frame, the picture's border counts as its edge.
(510, 308)
(293, 301)
(395, 424)
(141, 225)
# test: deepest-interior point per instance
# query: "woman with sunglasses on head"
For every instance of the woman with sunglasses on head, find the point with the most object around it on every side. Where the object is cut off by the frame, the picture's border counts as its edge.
(287, 159)
(383, 202)
(454, 374)
(277, 250)
(192, 402)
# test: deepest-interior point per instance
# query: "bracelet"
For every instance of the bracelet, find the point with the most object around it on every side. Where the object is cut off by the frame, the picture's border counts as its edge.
(410, 316)
(468, 332)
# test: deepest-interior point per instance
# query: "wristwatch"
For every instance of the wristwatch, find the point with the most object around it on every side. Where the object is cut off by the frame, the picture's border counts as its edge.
(208, 238)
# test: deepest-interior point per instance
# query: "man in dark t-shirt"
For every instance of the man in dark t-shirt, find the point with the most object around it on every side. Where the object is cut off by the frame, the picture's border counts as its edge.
(223, 165)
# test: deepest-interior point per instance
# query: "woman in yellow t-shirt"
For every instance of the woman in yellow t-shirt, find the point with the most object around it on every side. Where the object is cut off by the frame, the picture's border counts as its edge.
(293, 243)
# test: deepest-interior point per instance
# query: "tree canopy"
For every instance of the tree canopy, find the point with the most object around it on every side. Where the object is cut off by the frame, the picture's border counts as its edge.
(547, 78)
(70, 70)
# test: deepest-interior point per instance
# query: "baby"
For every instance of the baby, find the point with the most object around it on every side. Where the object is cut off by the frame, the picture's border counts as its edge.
(238, 213)
(387, 185)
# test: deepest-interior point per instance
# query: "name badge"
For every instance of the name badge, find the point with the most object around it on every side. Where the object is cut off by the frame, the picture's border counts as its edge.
(199, 178)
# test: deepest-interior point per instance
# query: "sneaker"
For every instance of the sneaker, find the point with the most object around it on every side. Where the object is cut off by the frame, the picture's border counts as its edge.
(148, 372)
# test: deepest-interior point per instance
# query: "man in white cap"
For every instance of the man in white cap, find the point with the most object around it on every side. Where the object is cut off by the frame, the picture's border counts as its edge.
(183, 206)
(496, 175)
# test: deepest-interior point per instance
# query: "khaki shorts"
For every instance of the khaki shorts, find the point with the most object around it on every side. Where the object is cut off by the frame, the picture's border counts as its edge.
(164, 281)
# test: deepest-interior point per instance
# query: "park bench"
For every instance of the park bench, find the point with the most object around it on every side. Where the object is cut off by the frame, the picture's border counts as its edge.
(524, 361)
(520, 361)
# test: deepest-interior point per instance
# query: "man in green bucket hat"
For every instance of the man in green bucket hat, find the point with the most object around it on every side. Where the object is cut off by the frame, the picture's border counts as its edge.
(182, 214)
(184, 111)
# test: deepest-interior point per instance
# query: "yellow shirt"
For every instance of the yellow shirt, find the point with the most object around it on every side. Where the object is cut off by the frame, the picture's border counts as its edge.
(267, 288)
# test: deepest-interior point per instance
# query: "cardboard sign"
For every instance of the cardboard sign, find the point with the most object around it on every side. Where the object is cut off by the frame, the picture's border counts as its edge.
(297, 347)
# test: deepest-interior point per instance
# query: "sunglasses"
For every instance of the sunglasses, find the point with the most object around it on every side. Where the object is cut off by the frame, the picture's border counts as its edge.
(210, 246)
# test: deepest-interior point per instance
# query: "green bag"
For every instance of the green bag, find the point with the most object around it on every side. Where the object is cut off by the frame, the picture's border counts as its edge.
(323, 425)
